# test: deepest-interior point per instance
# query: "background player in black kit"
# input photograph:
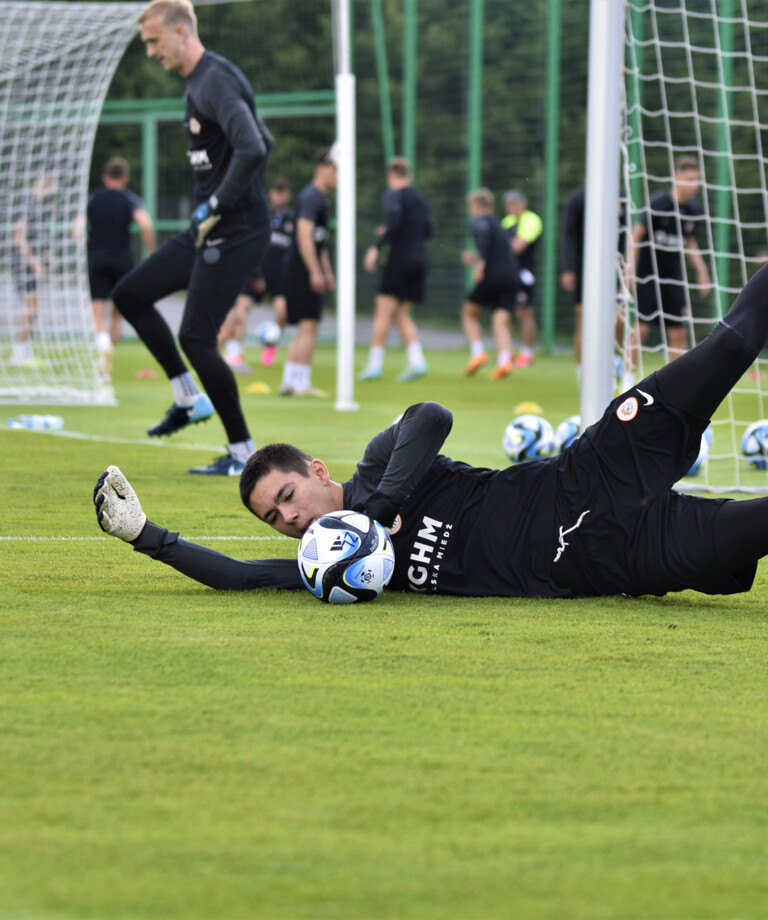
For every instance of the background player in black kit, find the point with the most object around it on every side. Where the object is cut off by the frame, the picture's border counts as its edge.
(268, 279)
(496, 282)
(31, 259)
(524, 228)
(601, 518)
(403, 279)
(228, 149)
(571, 254)
(665, 233)
(309, 275)
(111, 211)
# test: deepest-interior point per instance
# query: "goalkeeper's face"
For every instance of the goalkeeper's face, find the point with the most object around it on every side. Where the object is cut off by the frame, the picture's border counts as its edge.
(290, 502)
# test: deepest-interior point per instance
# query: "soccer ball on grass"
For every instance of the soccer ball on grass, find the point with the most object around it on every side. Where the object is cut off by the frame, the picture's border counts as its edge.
(567, 432)
(528, 437)
(268, 332)
(754, 444)
(345, 557)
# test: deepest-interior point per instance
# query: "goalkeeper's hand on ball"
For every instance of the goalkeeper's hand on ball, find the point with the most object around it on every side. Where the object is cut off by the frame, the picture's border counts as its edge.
(118, 510)
(380, 508)
(204, 219)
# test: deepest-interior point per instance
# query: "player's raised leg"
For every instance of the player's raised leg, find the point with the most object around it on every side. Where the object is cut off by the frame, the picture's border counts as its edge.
(165, 271)
(700, 379)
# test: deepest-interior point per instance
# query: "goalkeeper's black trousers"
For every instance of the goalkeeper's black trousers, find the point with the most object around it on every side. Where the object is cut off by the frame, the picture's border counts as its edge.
(700, 380)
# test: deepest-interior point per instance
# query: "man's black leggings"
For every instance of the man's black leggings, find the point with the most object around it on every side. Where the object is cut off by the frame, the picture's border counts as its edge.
(212, 277)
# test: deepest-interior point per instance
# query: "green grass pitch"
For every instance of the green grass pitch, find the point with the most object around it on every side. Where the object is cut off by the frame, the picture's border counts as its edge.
(168, 751)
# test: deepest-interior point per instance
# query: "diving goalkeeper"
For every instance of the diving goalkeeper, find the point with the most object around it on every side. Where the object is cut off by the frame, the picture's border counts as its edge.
(601, 518)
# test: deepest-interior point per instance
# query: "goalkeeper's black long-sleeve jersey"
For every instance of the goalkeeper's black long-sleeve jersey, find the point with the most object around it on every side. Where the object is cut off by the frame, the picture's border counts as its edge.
(458, 529)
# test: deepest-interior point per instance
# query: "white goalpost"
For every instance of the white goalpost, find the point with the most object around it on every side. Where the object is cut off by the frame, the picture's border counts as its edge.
(696, 84)
(56, 64)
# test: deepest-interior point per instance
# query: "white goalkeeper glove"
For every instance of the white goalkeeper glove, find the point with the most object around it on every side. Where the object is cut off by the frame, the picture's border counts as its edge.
(118, 510)
(204, 219)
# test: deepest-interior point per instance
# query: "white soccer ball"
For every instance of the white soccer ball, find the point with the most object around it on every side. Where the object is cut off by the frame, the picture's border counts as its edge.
(345, 557)
(707, 439)
(567, 432)
(754, 444)
(268, 332)
(528, 437)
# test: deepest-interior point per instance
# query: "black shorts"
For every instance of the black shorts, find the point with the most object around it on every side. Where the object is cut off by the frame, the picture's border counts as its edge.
(301, 301)
(501, 294)
(105, 269)
(669, 299)
(620, 528)
(406, 283)
(266, 283)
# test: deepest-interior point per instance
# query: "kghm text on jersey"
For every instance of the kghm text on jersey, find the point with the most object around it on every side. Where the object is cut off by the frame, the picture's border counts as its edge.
(198, 159)
(427, 555)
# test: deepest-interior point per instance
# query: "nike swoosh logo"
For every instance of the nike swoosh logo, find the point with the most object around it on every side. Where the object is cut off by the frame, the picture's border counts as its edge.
(233, 470)
(646, 396)
(214, 242)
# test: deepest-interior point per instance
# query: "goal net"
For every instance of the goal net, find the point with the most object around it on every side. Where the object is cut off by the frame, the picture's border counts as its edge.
(56, 62)
(696, 84)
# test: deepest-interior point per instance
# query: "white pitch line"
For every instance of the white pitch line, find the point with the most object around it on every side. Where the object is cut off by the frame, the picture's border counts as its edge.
(145, 442)
(106, 537)
(142, 442)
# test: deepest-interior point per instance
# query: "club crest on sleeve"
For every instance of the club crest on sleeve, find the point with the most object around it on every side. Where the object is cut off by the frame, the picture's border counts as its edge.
(395, 526)
(627, 410)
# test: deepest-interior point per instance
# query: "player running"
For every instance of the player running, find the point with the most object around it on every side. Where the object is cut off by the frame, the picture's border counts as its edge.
(111, 211)
(496, 277)
(228, 149)
(601, 518)
(308, 275)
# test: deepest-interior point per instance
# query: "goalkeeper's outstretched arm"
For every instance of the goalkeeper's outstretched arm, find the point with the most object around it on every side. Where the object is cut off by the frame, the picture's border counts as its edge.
(119, 513)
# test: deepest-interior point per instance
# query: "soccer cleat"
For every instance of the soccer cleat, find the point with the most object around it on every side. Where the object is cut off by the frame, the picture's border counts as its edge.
(524, 359)
(412, 372)
(237, 364)
(475, 363)
(285, 390)
(178, 417)
(370, 373)
(502, 370)
(221, 466)
(268, 355)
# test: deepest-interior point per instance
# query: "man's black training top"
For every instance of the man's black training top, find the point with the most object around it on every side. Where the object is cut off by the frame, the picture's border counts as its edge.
(228, 143)
(668, 225)
(409, 226)
(283, 226)
(459, 529)
(492, 243)
(110, 215)
(315, 206)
